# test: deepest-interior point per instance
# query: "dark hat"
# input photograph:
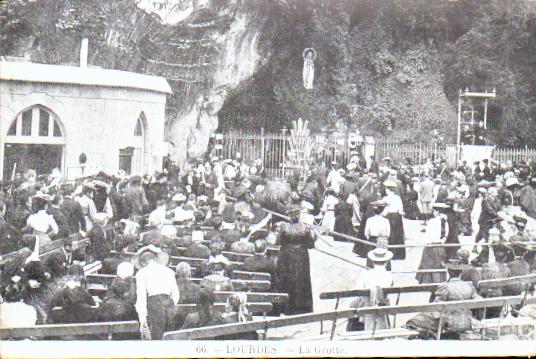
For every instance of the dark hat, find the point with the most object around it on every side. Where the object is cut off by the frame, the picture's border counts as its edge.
(485, 184)
(34, 271)
(294, 209)
(441, 205)
(134, 179)
(520, 219)
(260, 246)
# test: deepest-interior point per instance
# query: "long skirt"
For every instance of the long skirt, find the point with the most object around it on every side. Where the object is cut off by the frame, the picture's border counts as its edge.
(432, 258)
(397, 235)
(343, 224)
(158, 307)
(328, 222)
(294, 278)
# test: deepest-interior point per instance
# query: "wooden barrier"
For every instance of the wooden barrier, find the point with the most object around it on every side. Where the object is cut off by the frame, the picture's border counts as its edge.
(494, 283)
(77, 329)
(386, 290)
(236, 256)
(442, 307)
(415, 288)
(239, 284)
(193, 262)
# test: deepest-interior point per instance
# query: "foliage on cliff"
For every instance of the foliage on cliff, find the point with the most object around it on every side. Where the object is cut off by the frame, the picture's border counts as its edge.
(398, 64)
(389, 66)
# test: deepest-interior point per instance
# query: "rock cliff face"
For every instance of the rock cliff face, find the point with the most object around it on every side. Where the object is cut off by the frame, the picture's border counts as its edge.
(215, 50)
(391, 66)
(203, 48)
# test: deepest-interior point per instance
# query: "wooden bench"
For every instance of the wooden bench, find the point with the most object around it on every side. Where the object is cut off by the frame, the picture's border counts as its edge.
(193, 262)
(236, 256)
(442, 307)
(77, 329)
(241, 274)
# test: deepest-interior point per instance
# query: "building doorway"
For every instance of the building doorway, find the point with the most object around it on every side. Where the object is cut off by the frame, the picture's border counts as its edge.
(22, 157)
(34, 140)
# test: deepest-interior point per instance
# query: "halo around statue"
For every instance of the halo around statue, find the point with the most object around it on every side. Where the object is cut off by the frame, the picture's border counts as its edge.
(307, 50)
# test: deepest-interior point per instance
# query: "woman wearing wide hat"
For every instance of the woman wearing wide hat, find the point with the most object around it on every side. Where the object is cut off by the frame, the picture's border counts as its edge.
(156, 291)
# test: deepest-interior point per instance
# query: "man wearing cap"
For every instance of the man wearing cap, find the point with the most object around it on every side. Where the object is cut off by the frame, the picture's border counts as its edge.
(374, 279)
(490, 208)
(156, 290)
(521, 235)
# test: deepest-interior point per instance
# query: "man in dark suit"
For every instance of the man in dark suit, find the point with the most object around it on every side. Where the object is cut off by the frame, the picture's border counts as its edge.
(490, 207)
(73, 211)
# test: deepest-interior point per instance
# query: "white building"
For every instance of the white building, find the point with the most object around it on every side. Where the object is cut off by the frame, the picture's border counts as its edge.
(57, 116)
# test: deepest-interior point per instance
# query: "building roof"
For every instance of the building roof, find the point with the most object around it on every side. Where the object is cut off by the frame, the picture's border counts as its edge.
(61, 74)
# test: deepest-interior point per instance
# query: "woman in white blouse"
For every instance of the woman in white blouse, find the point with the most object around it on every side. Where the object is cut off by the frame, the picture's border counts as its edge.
(41, 223)
(393, 212)
(86, 202)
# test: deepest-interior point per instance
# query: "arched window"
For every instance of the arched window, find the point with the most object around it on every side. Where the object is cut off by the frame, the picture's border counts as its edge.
(140, 126)
(37, 121)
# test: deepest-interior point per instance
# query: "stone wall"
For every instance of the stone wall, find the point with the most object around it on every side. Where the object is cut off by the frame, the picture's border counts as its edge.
(97, 121)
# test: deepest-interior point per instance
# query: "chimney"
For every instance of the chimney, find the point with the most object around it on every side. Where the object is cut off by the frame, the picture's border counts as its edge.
(83, 52)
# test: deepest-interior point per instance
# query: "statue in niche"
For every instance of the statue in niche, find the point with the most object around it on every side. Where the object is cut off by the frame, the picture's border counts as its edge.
(309, 56)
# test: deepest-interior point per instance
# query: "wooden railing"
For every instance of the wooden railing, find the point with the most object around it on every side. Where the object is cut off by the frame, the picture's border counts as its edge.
(441, 307)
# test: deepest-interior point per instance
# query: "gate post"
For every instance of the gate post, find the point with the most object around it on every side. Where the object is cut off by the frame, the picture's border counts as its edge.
(284, 154)
(262, 146)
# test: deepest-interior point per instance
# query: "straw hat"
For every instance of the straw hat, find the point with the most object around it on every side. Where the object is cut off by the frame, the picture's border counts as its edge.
(379, 203)
(161, 257)
(390, 184)
(380, 255)
(440, 205)
(512, 181)
(168, 231)
(100, 219)
(197, 236)
(307, 205)
(125, 270)
(179, 197)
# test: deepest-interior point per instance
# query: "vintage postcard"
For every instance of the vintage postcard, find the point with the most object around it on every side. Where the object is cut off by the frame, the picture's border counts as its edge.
(267, 178)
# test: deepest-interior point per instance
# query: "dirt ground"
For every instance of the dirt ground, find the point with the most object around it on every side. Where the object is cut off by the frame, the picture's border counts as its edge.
(333, 274)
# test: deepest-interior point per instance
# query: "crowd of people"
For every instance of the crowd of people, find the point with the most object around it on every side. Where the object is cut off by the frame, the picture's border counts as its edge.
(216, 205)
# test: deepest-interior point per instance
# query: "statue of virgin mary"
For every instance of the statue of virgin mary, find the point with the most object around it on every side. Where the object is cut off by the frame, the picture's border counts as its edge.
(309, 56)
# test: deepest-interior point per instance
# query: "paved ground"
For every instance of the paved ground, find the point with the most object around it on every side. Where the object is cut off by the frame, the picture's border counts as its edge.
(331, 274)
